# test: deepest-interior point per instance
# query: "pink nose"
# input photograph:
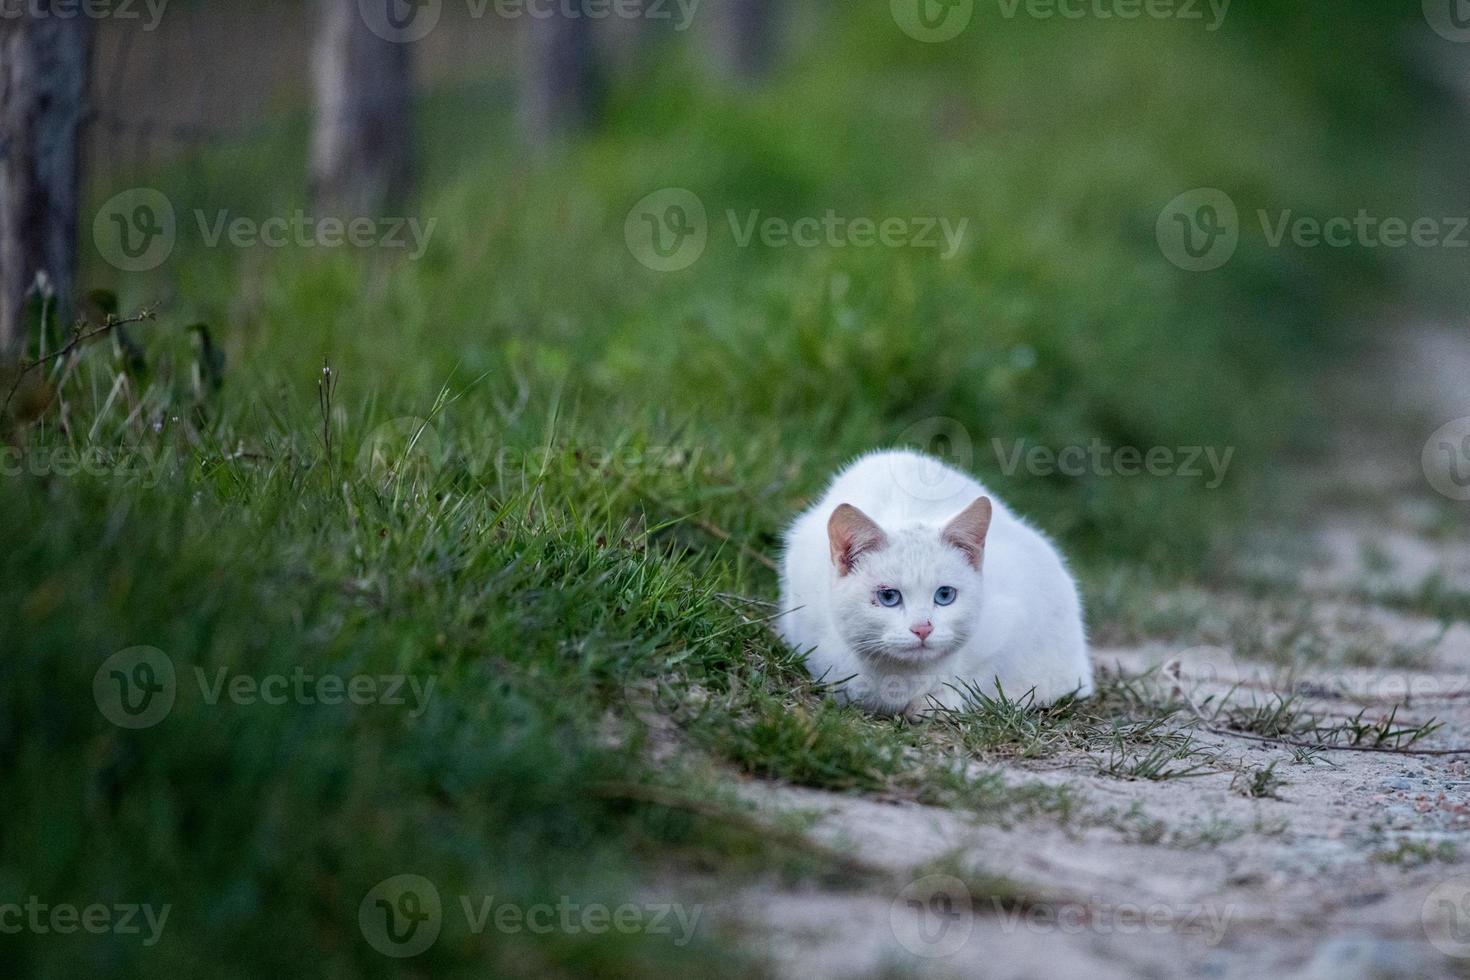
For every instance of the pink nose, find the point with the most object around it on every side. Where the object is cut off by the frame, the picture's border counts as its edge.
(922, 631)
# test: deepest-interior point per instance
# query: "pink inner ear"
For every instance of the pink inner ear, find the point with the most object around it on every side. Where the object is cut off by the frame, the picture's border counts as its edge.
(968, 531)
(852, 534)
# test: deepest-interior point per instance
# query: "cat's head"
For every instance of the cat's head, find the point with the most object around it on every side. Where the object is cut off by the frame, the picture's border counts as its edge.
(907, 595)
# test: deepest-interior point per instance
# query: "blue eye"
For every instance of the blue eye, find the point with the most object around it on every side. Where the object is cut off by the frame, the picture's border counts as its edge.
(890, 597)
(945, 595)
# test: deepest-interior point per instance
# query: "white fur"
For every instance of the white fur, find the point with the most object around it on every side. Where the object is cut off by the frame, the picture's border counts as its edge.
(1018, 620)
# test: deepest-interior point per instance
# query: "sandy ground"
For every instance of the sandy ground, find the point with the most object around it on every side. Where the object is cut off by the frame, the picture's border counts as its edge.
(1342, 874)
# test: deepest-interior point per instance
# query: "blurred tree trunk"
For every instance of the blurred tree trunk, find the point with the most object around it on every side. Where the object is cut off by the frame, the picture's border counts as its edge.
(561, 81)
(744, 38)
(44, 63)
(362, 143)
(625, 40)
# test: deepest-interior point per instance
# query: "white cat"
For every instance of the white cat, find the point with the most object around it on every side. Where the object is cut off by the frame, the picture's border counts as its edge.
(907, 583)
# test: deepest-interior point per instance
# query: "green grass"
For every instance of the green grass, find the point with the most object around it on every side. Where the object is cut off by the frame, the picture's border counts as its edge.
(608, 460)
(1409, 853)
(1257, 782)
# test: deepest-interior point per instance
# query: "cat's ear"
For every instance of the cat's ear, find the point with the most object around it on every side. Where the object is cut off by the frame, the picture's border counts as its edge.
(967, 531)
(852, 534)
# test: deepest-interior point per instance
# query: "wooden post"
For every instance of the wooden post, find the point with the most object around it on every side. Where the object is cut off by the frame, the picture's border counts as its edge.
(44, 65)
(744, 38)
(362, 141)
(561, 81)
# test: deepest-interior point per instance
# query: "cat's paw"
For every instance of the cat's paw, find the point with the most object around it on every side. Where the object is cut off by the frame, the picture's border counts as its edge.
(921, 708)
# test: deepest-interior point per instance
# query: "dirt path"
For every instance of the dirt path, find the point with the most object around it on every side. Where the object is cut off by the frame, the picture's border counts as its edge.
(1347, 864)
